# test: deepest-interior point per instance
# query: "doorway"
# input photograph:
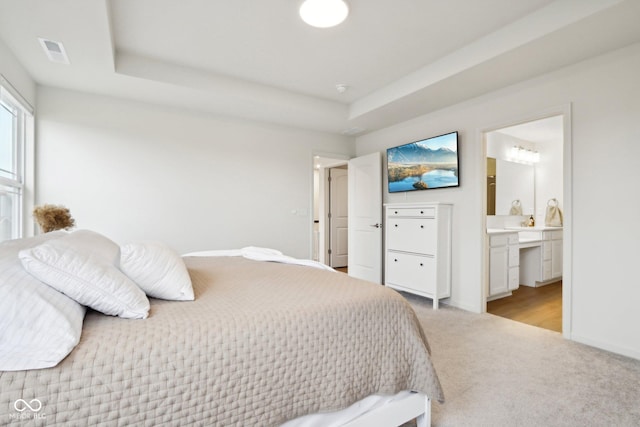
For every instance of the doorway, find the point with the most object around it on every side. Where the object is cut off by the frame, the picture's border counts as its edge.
(330, 211)
(525, 174)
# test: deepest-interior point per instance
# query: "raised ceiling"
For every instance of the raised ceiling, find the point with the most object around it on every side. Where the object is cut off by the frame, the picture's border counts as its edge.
(257, 60)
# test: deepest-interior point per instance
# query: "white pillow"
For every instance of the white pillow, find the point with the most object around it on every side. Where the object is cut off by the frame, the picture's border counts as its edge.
(157, 269)
(83, 266)
(39, 326)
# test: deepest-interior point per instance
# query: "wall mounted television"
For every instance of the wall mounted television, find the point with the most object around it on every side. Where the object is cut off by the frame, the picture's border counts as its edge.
(424, 165)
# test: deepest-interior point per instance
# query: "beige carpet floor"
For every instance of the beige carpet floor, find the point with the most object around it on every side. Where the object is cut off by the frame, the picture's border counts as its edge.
(497, 372)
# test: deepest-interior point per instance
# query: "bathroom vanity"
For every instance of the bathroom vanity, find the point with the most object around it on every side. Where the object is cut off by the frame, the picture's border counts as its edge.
(540, 255)
(504, 263)
(529, 256)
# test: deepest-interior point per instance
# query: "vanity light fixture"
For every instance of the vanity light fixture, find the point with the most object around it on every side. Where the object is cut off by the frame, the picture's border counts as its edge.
(524, 155)
(324, 13)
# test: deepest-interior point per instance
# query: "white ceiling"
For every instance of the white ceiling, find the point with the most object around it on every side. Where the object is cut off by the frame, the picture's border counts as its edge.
(538, 131)
(257, 60)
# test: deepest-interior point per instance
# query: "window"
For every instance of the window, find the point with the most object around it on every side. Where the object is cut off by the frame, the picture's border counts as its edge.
(16, 127)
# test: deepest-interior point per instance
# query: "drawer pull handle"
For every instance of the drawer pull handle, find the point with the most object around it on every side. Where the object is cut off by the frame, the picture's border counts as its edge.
(421, 264)
(395, 225)
(422, 226)
(395, 260)
(396, 212)
(421, 212)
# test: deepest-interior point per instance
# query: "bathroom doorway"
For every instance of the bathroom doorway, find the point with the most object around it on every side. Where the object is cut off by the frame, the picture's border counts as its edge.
(525, 178)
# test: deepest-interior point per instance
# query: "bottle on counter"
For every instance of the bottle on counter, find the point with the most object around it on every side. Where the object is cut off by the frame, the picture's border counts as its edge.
(532, 221)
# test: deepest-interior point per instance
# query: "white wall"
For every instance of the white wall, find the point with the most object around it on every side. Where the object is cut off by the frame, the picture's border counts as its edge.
(135, 171)
(16, 75)
(604, 240)
(548, 182)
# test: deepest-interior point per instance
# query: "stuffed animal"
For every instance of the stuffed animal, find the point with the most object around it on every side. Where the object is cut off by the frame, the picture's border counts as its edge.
(53, 217)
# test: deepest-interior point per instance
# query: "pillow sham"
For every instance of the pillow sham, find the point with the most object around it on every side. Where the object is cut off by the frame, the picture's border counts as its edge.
(39, 326)
(84, 266)
(157, 270)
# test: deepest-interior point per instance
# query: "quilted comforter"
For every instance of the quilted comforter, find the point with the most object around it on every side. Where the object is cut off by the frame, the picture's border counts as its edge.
(261, 344)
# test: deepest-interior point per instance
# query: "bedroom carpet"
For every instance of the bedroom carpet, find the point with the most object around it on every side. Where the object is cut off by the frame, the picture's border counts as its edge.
(497, 372)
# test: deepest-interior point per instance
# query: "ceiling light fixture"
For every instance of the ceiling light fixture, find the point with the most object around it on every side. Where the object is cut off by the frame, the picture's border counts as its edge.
(524, 155)
(324, 13)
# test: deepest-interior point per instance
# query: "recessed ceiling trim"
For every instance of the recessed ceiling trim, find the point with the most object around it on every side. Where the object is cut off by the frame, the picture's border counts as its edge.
(544, 21)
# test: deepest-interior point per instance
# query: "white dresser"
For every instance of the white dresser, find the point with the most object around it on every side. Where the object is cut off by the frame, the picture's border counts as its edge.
(418, 249)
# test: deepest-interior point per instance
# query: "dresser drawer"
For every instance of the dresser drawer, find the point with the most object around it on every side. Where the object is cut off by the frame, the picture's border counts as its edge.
(426, 212)
(412, 235)
(411, 271)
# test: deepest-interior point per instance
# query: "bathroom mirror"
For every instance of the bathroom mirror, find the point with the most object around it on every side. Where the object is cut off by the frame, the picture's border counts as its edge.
(509, 184)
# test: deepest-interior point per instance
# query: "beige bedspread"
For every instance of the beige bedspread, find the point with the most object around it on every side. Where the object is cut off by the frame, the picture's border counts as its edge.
(261, 344)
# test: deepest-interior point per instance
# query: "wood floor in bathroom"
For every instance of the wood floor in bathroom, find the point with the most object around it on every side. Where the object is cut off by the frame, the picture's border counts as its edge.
(540, 307)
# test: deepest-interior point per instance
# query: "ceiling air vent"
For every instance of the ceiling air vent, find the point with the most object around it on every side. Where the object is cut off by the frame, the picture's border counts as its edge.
(54, 50)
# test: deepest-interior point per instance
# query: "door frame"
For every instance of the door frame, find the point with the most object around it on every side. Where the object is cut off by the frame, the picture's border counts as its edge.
(323, 199)
(567, 173)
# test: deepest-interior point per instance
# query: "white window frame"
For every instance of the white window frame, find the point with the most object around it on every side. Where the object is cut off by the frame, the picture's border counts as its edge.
(22, 182)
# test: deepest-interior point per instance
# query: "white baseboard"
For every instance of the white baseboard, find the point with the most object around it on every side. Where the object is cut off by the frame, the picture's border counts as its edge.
(624, 351)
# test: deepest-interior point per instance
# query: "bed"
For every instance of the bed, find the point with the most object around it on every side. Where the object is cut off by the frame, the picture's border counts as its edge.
(262, 343)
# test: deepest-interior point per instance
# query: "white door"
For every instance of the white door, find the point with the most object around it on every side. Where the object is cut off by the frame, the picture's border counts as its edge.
(365, 217)
(339, 217)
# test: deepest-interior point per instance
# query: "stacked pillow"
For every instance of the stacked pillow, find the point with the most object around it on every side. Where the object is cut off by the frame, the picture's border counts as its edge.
(39, 326)
(42, 324)
(157, 269)
(84, 266)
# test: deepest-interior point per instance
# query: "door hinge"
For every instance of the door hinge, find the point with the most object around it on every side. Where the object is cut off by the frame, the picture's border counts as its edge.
(329, 251)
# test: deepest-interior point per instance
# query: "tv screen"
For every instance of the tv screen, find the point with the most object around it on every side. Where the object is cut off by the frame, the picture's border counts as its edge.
(424, 165)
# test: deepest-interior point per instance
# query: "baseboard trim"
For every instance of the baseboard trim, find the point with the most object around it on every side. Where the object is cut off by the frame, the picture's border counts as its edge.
(623, 351)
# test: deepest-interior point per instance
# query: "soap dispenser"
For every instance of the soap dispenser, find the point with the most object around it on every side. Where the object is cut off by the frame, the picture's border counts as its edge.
(532, 221)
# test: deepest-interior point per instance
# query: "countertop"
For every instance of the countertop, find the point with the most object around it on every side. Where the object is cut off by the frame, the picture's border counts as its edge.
(518, 229)
(536, 228)
(500, 231)
(526, 235)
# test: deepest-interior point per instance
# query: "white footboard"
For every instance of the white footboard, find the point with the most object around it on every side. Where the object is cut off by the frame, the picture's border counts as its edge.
(396, 413)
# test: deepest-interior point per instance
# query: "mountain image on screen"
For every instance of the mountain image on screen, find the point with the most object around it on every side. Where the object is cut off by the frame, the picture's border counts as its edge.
(414, 153)
(422, 165)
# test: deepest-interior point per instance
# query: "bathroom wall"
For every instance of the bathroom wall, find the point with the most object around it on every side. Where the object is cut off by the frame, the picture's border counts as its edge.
(547, 181)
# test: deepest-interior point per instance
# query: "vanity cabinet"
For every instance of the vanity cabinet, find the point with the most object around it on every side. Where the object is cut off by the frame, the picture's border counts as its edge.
(504, 264)
(540, 257)
(551, 255)
(418, 249)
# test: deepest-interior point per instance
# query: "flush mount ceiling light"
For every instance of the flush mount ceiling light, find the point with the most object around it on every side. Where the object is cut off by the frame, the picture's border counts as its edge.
(324, 13)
